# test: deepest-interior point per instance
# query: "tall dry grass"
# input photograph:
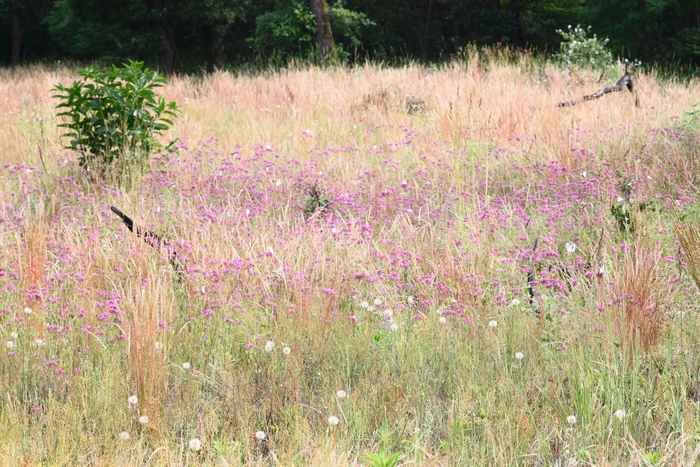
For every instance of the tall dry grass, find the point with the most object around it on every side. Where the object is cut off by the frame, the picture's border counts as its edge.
(486, 98)
(438, 180)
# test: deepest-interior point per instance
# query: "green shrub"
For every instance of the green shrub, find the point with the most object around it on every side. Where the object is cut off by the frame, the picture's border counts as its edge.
(383, 459)
(577, 49)
(113, 115)
(291, 30)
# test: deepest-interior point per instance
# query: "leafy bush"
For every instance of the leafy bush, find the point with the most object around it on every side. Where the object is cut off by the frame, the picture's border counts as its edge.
(291, 29)
(577, 49)
(383, 459)
(114, 115)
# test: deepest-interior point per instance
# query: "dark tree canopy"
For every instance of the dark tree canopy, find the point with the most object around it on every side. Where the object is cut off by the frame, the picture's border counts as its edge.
(189, 35)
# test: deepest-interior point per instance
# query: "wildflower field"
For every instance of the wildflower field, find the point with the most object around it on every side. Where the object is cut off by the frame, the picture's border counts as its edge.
(358, 248)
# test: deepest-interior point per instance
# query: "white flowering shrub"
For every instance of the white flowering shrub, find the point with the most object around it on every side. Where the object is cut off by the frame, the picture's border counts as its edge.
(577, 49)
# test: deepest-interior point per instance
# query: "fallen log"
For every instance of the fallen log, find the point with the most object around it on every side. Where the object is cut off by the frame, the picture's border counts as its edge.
(151, 238)
(624, 82)
(534, 295)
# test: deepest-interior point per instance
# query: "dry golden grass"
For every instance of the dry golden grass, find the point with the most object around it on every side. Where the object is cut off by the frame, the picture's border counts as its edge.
(442, 392)
(484, 99)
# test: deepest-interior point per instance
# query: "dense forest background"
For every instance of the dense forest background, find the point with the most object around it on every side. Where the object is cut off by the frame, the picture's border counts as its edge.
(188, 35)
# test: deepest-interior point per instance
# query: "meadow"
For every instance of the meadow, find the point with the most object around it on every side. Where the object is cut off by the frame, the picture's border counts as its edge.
(356, 245)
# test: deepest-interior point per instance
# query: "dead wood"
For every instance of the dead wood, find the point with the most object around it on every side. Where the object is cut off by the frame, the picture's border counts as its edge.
(534, 295)
(624, 82)
(151, 238)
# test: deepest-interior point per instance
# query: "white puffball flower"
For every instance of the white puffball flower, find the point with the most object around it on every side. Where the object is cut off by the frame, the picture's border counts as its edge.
(394, 327)
(364, 304)
(133, 400)
(186, 366)
(269, 345)
(410, 300)
(620, 414)
(341, 394)
(519, 355)
(39, 342)
(28, 311)
(493, 323)
(377, 301)
(333, 420)
(143, 419)
(14, 335)
(10, 344)
(570, 247)
(515, 302)
(158, 345)
(442, 319)
(571, 419)
(123, 436)
(195, 444)
(260, 435)
(286, 350)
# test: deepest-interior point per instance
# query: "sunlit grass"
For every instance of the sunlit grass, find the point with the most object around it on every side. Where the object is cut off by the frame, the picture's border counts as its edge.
(384, 314)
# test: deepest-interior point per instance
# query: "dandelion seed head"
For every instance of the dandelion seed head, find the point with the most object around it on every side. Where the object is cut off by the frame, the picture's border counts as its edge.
(442, 319)
(260, 435)
(620, 414)
(341, 394)
(269, 345)
(186, 366)
(364, 304)
(143, 419)
(571, 419)
(286, 350)
(10, 344)
(133, 400)
(493, 323)
(333, 420)
(28, 311)
(570, 247)
(158, 345)
(394, 327)
(519, 355)
(195, 444)
(377, 301)
(123, 436)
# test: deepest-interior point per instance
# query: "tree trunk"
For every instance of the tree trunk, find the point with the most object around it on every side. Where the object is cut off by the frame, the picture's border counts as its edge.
(520, 30)
(16, 34)
(171, 58)
(209, 52)
(170, 55)
(324, 35)
(428, 18)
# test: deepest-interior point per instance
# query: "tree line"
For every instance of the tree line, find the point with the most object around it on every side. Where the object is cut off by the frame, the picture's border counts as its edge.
(189, 35)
